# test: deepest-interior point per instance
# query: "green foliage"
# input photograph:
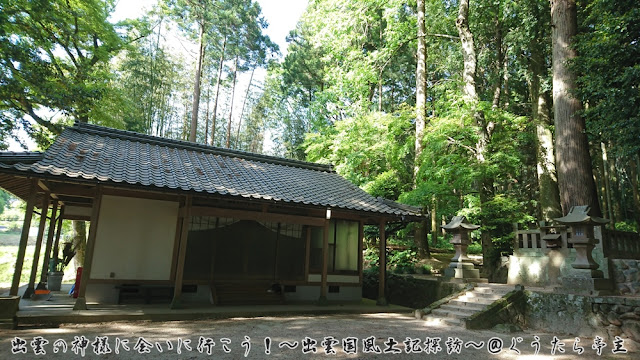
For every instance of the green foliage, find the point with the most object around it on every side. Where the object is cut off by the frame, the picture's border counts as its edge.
(475, 248)
(372, 151)
(443, 242)
(497, 216)
(372, 257)
(53, 55)
(608, 65)
(5, 199)
(403, 261)
(426, 269)
(626, 226)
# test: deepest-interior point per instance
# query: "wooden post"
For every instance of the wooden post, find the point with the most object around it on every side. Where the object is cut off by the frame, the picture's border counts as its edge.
(361, 250)
(184, 234)
(36, 253)
(382, 300)
(26, 224)
(56, 243)
(81, 301)
(325, 264)
(47, 251)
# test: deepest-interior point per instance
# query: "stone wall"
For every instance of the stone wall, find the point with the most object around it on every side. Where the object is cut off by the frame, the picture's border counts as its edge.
(627, 276)
(413, 291)
(605, 316)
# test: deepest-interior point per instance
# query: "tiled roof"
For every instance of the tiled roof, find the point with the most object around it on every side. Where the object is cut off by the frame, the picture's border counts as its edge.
(94, 153)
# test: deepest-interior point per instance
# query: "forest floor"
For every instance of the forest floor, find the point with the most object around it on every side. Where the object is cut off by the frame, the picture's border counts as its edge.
(289, 338)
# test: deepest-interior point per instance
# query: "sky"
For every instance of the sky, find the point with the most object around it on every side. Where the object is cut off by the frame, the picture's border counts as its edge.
(282, 16)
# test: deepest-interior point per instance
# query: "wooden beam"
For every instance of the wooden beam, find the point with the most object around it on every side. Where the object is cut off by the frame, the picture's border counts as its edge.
(325, 264)
(153, 195)
(22, 248)
(47, 251)
(76, 190)
(383, 264)
(81, 301)
(184, 234)
(256, 215)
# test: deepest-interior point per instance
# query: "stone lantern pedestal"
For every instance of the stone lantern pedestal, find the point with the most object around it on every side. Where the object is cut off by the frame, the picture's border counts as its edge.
(584, 276)
(461, 266)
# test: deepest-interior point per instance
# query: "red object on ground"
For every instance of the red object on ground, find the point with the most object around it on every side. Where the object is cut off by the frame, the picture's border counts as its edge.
(76, 287)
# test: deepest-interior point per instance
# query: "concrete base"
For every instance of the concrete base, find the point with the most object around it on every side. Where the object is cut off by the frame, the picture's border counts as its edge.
(462, 271)
(28, 292)
(586, 282)
(322, 301)
(9, 306)
(81, 304)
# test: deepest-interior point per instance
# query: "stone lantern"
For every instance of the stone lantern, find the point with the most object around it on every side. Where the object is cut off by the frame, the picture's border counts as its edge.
(584, 276)
(461, 266)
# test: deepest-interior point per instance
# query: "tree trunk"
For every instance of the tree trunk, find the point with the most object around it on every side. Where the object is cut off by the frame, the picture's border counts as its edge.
(196, 87)
(497, 91)
(79, 241)
(244, 102)
(485, 130)
(434, 221)
(606, 176)
(233, 95)
(573, 161)
(215, 101)
(421, 120)
(206, 114)
(546, 167)
(421, 87)
(468, 52)
(635, 188)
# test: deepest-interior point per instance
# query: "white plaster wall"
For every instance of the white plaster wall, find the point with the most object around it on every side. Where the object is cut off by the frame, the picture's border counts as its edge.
(135, 239)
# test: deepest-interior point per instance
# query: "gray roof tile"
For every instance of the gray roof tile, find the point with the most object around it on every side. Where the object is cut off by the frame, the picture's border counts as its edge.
(96, 153)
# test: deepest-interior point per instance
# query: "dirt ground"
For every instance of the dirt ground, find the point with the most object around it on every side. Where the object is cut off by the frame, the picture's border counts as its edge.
(290, 337)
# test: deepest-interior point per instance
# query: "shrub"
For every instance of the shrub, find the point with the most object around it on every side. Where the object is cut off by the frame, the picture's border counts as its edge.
(474, 248)
(403, 261)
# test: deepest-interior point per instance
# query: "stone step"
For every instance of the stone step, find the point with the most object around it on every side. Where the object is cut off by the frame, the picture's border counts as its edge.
(478, 305)
(472, 296)
(459, 309)
(473, 301)
(451, 314)
(500, 290)
(437, 320)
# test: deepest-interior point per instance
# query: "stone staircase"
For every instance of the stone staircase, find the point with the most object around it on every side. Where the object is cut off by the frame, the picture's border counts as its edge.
(456, 310)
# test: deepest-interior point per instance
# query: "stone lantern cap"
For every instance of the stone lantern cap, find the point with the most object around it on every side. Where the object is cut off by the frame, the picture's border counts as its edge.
(459, 223)
(580, 215)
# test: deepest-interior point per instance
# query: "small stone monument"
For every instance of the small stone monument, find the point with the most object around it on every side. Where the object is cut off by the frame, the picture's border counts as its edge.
(461, 266)
(584, 276)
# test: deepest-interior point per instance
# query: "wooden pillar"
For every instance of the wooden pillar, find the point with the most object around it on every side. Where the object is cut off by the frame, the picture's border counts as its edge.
(383, 265)
(36, 253)
(361, 250)
(81, 301)
(26, 224)
(56, 242)
(325, 264)
(182, 250)
(47, 251)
